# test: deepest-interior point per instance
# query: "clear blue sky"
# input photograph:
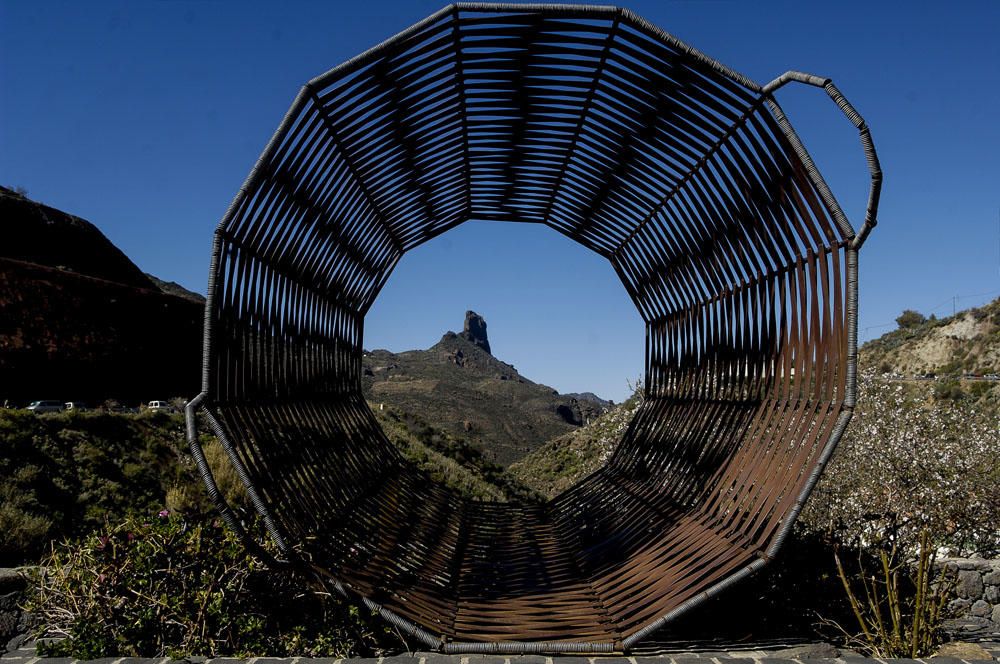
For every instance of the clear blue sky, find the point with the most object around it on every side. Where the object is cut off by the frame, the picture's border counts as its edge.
(145, 117)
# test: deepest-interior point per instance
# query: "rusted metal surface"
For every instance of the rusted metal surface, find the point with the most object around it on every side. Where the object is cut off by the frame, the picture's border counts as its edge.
(684, 175)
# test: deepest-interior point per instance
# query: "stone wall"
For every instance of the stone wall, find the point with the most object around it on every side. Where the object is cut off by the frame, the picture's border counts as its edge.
(978, 589)
(13, 622)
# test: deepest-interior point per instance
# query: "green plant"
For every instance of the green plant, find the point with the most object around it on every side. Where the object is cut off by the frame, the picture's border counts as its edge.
(949, 390)
(168, 587)
(979, 388)
(63, 475)
(60, 472)
(899, 609)
(188, 495)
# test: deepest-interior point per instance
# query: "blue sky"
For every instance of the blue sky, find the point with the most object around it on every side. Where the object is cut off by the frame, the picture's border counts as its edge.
(145, 117)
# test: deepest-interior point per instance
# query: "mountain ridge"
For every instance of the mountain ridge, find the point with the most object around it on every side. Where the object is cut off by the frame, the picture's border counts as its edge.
(458, 385)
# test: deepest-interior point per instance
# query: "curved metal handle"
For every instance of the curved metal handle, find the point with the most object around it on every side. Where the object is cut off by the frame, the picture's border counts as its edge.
(875, 191)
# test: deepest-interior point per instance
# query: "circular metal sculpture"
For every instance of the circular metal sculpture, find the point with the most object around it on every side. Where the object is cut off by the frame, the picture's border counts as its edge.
(685, 175)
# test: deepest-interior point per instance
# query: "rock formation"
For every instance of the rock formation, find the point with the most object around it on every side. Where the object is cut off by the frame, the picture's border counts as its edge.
(459, 386)
(474, 330)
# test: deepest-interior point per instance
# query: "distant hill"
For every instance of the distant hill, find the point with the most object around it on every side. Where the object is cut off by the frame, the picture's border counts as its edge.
(174, 288)
(79, 321)
(589, 396)
(458, 386)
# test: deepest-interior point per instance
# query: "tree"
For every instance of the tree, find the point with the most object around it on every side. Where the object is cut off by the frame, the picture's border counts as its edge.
(910, 319)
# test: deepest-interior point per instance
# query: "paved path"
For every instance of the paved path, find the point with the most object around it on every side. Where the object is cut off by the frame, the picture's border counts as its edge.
(26, 655)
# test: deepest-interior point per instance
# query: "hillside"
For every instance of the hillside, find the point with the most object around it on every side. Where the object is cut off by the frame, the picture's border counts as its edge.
(174, 288)
(450, 460)
(966, 343)
(79, 321)
(559, 463)
(459, 386)
(64, 474)
(41, 235)
(61, 475)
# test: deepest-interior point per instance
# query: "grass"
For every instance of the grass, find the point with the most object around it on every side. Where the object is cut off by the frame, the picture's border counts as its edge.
(62, 475)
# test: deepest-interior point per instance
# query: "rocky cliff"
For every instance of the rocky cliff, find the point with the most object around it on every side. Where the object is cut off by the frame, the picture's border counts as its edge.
(79, 321)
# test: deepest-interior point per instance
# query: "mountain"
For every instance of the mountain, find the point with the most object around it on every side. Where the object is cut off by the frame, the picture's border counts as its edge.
(40, 235)
(590, 396)
(80, 321)
(459, 386)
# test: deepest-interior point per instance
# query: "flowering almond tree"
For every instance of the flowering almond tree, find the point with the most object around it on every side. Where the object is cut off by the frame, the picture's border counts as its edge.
(910, 461)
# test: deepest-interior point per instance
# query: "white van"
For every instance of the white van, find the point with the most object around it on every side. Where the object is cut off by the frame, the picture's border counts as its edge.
(40, 407)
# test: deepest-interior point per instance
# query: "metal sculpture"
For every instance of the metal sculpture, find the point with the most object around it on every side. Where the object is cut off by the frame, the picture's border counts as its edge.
(685, 175)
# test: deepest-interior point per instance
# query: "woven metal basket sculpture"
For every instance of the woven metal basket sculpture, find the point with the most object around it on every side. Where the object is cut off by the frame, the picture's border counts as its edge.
(685, 175)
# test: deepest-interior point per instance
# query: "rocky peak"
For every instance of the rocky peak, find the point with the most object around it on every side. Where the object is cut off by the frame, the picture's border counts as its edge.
(474, 330)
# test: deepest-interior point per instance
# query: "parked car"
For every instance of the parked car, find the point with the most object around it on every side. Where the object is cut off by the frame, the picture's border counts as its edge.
(40, 407)
(160, 405)
(77, 406)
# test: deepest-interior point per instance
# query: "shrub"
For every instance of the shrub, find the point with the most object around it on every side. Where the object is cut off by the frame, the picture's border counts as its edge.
(63, 475)
(910, 319)
(189, 497)
(979, 389)
(949, 390)
(899, 608)
(167, 587)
